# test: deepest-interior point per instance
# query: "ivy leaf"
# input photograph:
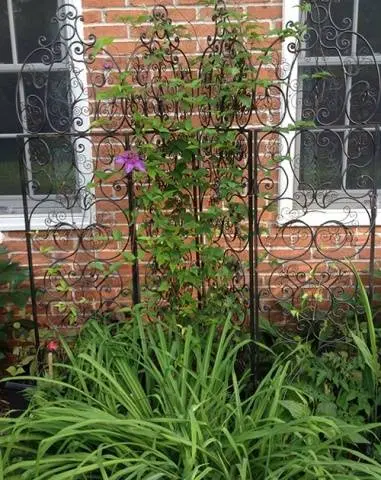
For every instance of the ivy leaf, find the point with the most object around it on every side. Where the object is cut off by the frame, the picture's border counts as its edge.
(117, 235)
(13, 370)
(103, 175)
(164, 286)
(129, 257)
(101, 43)
(45, 250)
(97, 265)
(114, 267)
(246, 101)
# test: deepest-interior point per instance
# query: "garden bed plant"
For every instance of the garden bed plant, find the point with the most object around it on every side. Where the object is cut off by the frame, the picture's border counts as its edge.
(152, 400)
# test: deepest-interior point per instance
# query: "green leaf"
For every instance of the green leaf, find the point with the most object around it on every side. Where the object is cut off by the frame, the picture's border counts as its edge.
(328, 409)
(98, 265)
(296, 409)
(117, 235)
(15, 370)
(103, 175)
(101, 43)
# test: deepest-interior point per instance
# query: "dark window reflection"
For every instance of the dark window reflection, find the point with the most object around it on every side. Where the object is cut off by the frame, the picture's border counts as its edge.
(323, 95)
(369, 24)
(365, 94)
(9, 122)
(321, 157)
(5, 38)
(47, 101)
(33, 19)
(363, 169)
(329, 28)
(9, 167)
(53, 165)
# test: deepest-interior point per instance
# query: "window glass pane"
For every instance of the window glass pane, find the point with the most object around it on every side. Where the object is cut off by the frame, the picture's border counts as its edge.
(365, 94)
(47, 101)
(53, 165)
(8, 117)
(330, 24)
(9, 167)
(321, 156)
(5, 39)
(33, 20)
(323, 97)
(361, 166)
(369, 24)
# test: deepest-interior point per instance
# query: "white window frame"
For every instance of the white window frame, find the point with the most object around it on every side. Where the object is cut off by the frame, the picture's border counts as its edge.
(78, 219)
(287, 181)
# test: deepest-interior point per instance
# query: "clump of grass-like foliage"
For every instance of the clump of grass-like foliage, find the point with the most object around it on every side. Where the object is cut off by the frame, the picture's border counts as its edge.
(153, 401)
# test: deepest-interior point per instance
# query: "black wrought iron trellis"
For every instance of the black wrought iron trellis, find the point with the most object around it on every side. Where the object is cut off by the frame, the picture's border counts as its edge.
(311, 191)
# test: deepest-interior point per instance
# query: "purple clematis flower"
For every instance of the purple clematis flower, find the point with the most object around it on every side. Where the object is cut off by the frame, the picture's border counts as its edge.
(130, 161)
(107, 66)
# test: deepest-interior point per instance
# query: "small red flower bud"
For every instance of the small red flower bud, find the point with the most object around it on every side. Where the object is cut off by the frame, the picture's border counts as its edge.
(52, 346)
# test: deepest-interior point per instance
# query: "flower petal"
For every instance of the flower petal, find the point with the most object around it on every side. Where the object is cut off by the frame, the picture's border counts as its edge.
(140, 165)
(128, 167)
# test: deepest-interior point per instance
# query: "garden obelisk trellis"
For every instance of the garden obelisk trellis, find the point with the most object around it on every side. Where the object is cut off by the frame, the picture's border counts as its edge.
(288, 237)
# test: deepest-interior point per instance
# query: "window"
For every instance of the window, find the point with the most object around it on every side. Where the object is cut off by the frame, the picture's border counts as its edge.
(34, 99)
(337, 74)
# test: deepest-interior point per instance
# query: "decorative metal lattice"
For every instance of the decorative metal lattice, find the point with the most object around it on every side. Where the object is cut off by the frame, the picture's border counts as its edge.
(307, 201)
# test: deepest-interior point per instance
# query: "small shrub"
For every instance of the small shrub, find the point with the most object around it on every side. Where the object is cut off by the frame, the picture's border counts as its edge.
(14, 295)
(341, 376)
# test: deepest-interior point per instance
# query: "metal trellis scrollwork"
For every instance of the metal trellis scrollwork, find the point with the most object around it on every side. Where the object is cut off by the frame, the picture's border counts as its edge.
(304, 212)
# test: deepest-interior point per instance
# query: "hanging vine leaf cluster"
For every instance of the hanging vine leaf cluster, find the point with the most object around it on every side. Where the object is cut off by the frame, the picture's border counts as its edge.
(189, 120)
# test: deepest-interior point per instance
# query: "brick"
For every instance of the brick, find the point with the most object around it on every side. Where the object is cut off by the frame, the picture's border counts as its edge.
(119, 48)
(205, 13)
(15, 246)
(103, 3)
(14, 236)
(38, 259)
(202, 31)
(115, 31)
(186, 2)
(136, 31)
(92, 16)
(149, 3)
(116, 16)
(264, 12)
(182, 14)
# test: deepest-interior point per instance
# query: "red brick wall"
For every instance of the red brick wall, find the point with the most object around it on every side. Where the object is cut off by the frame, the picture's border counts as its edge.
(102, 17)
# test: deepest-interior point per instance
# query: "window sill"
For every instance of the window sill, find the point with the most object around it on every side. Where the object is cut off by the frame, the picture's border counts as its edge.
(12, 223)
(345, 217)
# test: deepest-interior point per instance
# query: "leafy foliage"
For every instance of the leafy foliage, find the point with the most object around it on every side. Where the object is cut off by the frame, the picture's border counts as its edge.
(342, 375)
(194, 193)
(14, 295)
(12, 278)
(163, 401)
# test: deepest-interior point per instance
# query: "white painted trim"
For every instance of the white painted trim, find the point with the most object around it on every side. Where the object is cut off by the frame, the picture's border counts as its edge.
(88, 216)
(286, 207)
(11, 223)
(286, 176)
